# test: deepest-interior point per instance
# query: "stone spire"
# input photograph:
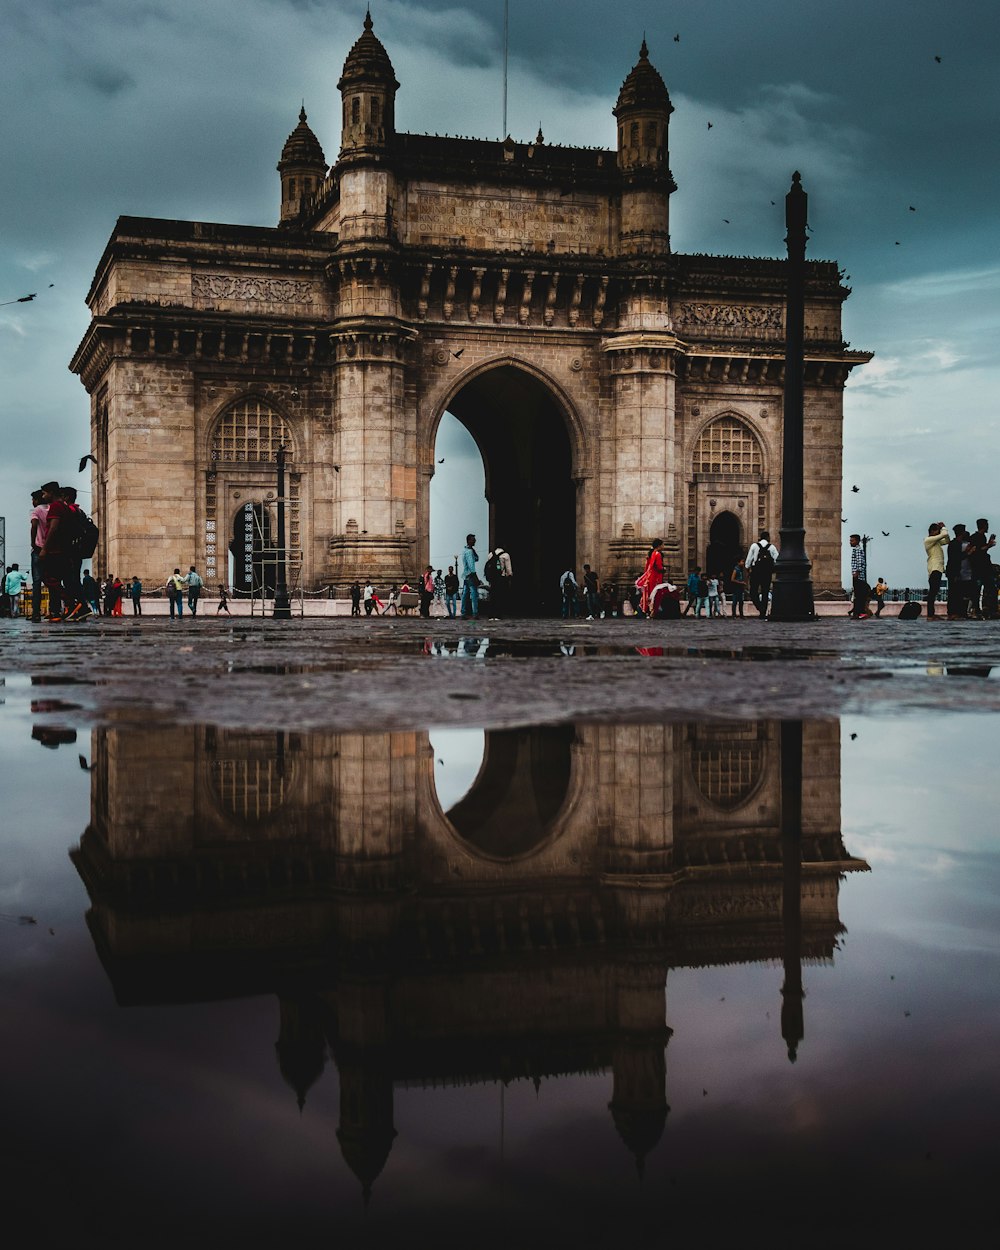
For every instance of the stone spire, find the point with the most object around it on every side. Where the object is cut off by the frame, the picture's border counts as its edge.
(368, 88)
(302, 168)
(643, 111)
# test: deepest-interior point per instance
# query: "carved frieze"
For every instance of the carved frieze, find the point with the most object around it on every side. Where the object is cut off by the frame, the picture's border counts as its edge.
(742, 318)
(223, 286)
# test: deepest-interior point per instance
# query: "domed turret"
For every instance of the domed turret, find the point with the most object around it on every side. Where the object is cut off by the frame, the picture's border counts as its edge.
(302, 167)
(368, 87)
(643, 111)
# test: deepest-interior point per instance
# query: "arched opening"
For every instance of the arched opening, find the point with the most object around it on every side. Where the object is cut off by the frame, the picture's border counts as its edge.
(253, 552)
(518, 791)
(522, 436)
(725, 545)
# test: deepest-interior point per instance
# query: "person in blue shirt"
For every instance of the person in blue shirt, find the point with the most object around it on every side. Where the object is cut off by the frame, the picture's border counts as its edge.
(470, 578)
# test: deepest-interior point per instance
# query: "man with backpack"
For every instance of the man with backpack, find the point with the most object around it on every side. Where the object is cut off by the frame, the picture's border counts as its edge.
(497, 571)
(760, 562)
(175, 586)
(58, 558)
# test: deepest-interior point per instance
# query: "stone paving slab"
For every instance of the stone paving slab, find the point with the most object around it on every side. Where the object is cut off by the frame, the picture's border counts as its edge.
(343, 674)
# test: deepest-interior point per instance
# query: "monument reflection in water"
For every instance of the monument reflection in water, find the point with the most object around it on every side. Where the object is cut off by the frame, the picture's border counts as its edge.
(525, 933)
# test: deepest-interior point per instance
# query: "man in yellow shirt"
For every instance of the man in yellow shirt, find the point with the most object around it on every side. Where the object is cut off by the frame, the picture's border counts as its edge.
(935, 545)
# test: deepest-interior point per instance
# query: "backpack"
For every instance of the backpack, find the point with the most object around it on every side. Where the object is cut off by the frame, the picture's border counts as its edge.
(81, 533)
(764, 558)
(703, 587)
(493, 569)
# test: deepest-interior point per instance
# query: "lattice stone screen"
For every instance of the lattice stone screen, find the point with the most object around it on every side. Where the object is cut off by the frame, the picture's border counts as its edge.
(727, 446)
(251, 431)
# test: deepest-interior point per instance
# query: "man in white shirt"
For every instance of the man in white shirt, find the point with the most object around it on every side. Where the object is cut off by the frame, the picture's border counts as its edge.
(759, 563)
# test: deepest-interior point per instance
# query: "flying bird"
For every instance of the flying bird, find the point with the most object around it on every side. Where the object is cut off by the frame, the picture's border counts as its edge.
(83, 763)
(336, 468)
(938, 59)
(677, 38)
(726, 220)
(912, 208)
(853, 736)
(907, 527)
(897, 243)
(83, 461)
(709, 126)
(458, 353)
(855, 489)
(843, 520)
(441, 461)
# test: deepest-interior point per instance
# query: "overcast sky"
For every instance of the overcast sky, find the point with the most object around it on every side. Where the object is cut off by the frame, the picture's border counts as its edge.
(180, 109)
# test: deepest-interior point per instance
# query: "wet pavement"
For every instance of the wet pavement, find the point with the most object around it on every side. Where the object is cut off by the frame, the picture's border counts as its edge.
(344, 674)
(591, 933)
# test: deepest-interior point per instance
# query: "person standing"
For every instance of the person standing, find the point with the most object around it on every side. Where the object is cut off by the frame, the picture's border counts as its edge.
(39, 527)
(427, 590)
(714, 607)
(693, 578)
(935, 545)
(355, 598)
(497, 570)
(591, 592)
(652, 575)
(194, 585)
(175, 593)
(881, 586)
(759, 563)
(223, 605)
(135, 594)
(55, 560)
(91, 591)
(369, 596)
(984, 590)
(958, 573)
(470, 578)
(439, 587)
(13, 584)
(860, 589)
(118, 591)
(451, 590)
(738, 582)
(568, 587)
(109, 595)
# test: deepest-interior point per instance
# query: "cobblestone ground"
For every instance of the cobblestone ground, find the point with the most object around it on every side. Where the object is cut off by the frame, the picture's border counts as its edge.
(374, 674)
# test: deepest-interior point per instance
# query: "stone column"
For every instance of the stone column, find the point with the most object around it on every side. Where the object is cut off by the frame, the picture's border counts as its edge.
(640, 455)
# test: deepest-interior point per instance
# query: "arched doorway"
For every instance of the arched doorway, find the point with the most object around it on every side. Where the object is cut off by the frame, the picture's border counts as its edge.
(253, 551)
(522, 436)
(725, 545)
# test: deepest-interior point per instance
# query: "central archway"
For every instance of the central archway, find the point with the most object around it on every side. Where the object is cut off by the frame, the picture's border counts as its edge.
(522, 436)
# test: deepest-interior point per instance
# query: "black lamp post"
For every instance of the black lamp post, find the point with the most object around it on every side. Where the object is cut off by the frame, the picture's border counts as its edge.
(792, 593)
(282, 607)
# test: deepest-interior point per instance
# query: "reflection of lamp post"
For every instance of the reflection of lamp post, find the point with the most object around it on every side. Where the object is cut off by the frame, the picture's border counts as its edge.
(792, 993)
(282, 608)
(792, 593)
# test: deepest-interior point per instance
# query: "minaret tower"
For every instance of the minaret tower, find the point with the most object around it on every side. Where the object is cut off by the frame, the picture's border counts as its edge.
(368, 88)
(302, 168)
(643, 115)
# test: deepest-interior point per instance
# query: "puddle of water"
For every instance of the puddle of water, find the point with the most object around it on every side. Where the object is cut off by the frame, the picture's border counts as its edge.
(498, 972)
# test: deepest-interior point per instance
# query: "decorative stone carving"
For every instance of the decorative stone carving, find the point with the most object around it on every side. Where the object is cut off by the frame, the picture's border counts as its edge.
(742, 317)
(252, 290)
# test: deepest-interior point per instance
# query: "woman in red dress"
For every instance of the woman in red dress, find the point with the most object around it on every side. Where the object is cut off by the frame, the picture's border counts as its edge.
(652, 575)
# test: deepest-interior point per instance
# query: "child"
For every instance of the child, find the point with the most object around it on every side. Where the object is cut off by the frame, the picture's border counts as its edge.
(223, 601)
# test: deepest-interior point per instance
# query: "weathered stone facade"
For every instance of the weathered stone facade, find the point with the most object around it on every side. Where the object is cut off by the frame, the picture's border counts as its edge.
(526, 932)
(619, 391)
